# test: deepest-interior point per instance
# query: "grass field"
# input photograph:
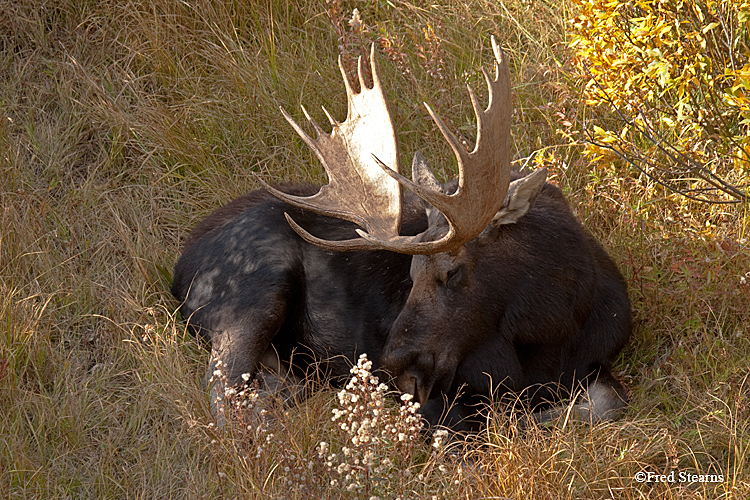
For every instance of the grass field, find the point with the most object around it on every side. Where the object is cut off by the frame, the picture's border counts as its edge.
(124, 123)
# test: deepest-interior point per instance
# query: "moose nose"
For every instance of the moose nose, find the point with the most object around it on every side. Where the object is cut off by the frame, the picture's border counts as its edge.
(408, 384)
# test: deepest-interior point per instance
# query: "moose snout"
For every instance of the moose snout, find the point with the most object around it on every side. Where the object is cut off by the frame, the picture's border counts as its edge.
(417, 377)
(419, 372)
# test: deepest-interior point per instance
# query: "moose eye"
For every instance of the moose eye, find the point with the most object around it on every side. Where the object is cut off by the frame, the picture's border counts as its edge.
(454, 277)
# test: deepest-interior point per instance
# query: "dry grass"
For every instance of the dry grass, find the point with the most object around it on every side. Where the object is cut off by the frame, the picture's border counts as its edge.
(122, 124)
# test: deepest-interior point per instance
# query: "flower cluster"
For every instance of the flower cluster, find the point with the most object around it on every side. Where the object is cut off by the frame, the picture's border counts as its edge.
(239, 409)
(378, 438)
(372, 449)
(248, 418)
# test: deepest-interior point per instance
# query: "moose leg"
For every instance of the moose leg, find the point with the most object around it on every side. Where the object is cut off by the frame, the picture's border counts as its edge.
(276, 378)
(238, 349)
(603, 399)
(456, 416)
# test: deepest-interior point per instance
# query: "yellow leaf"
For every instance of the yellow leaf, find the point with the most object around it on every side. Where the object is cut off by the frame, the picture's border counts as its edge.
(709, 27)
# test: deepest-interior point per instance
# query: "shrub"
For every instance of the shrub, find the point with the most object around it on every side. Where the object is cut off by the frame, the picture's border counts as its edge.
(674, 78)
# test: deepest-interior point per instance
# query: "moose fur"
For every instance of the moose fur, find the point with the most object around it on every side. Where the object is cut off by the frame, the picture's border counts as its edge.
(533, 306)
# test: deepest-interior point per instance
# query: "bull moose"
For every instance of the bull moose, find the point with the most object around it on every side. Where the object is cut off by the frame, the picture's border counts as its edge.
(484, 286)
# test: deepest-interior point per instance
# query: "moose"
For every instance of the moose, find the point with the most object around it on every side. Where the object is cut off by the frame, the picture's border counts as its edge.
(479, 288)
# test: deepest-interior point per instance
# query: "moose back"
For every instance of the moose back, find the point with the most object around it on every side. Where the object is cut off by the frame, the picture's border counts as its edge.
(460, 292)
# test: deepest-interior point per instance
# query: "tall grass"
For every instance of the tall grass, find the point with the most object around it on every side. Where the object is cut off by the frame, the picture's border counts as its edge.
(122, 124)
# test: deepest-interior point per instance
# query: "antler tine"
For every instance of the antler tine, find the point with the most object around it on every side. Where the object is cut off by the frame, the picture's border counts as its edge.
(484, 173)
(358, 190)
(334, 122)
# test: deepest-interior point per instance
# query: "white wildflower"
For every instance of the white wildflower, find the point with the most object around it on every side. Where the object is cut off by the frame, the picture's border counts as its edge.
(356, 21)
(438, 438)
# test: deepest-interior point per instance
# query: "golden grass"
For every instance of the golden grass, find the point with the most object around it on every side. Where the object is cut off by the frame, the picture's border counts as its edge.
(122, 124)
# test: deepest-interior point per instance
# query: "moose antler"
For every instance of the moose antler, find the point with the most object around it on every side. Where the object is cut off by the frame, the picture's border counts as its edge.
(358, 189)
(484, 173)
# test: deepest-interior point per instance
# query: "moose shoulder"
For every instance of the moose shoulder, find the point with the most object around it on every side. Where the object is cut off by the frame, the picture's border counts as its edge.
(484, 286)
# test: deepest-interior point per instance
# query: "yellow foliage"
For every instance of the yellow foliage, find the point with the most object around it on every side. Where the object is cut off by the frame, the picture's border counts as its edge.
(679, 69)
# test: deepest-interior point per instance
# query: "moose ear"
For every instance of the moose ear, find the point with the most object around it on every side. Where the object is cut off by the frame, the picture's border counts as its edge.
(521, 195)
(422, 175)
